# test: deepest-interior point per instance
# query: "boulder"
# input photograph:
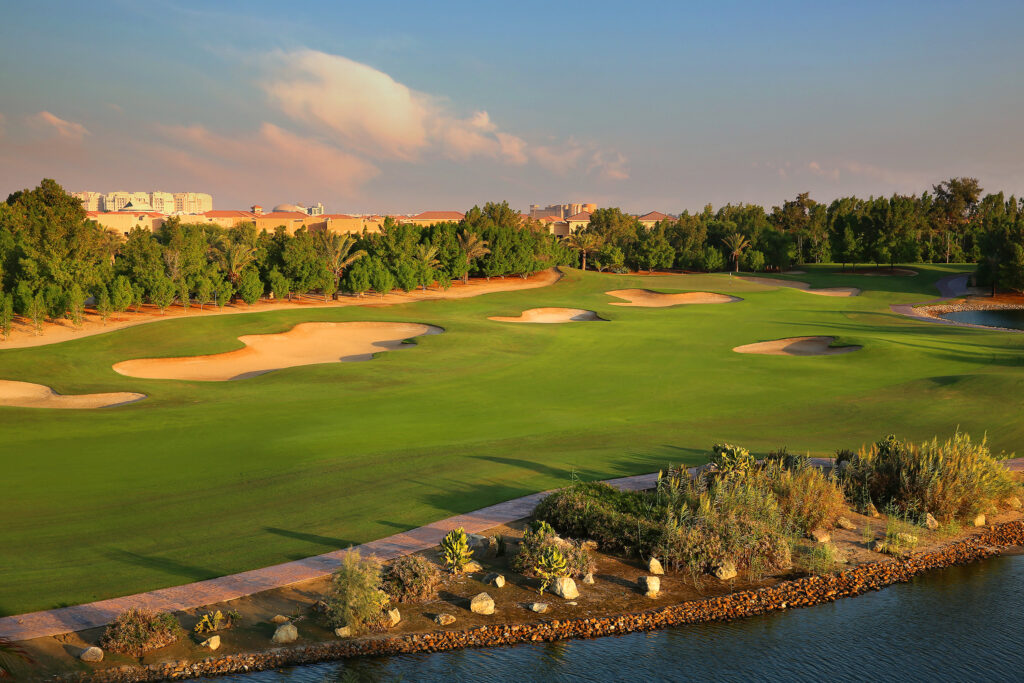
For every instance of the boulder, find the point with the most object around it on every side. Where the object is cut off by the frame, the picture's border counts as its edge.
(589, 579)
(211, 643)
(496, 580)
(871, 510)
(394, 616)
(481, 545)
(285, 633)
(564, 587)
(820, 536)
(280, 619)
(343, 632)
(444, 619)
(931, 522)
(649, 585)
(979, 520)
(482, 604)
(91, 654)
(906, 539)
(654, 567)
(844, 523)
(539, 607)
(1013, 502)
(725, 571)
(472, 566)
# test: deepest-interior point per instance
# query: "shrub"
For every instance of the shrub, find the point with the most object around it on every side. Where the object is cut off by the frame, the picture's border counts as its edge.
(356, 599)
(728, 458)
(216, 621)
(138, 631)
(411, 579)
(455, 550)
(790, 461)
(539, 538)
(818, 558)
(954, 480)
(808, 498)
(550, 565)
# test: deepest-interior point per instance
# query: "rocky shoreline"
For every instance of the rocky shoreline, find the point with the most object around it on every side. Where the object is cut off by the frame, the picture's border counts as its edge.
(803, 592)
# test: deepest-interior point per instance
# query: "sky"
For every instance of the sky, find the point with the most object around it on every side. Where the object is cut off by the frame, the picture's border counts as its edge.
(401, 107)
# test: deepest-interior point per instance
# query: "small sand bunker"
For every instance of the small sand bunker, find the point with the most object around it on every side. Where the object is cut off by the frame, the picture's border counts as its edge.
(304, 344)
(803, 286)
(797, 346)
(551, 315)
(648, 299)
(28, 395)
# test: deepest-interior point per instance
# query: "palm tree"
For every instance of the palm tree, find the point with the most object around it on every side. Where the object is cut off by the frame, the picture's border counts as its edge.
(735, 244)
(426, 256)
(336, 251)
(234, 258)
(585, 243)
(473, 246)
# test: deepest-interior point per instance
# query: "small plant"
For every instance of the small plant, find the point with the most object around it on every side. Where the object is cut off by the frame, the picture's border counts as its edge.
(138, 631)
(216, 621)
(818, 558)
(411, 579)
(356, 598)
(500, 545)
(540, 536)
(728, 458)
(550, 565)
(867, 534)
(455, 550)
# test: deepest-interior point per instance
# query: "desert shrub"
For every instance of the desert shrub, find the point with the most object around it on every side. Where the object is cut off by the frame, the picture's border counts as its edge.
(356, 598)
(550, 565)
(790, 461)
(411, 579)
(216, 621)
(539, 539)
(727, 458)
(455, 550)
(953, 480)
(138, 631)
(808, 498)
(817, 558)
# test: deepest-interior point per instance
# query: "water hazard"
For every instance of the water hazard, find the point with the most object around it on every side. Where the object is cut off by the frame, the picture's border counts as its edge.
(957, 624)
(1008, 318)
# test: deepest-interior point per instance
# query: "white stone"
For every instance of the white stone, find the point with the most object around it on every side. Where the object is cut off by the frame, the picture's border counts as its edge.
(394, 617)
(285, 633)
(821, 536)
(844, 523)
(91, 654)
(280, 619)
(931, 522)
(211, 643)
(589, 579)
(539, 607)
(482, 604)
(564, 587)
(343, 631)
(654, 567)
(979, 520)
(444, 619)
(496, 580)
(725, 571)
(649, 585)
(472, 566)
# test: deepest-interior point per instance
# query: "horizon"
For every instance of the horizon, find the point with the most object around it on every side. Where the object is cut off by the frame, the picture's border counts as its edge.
(391, 109)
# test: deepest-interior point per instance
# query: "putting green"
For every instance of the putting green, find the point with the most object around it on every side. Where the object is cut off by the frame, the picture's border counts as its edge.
(204, 479)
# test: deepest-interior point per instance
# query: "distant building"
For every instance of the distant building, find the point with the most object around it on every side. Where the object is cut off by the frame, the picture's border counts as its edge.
(91, 201)
(192, 202)
(578, 221)
(162, 202)
(649, 220)
(124, 221)
(431, 217)
(560, 211)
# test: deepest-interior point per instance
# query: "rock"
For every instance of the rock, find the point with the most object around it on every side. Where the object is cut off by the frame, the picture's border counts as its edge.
(320, 607)
(444, 619)
(394, 616)
(725, 571)
(285, 633)
(539, 607)
(564, 587)
(280, 619)
(497, 580)
(871, 510)
(1013, 502)
(979, 520)
(211, 643)
(481, 545)
(906, 539)
(931, 522)
(91, 654)
(820, 536)
(482, 604)
(472, 566)
(589, 579)
(844, 523)
(649, 585)
(654, 567)
(343, 632)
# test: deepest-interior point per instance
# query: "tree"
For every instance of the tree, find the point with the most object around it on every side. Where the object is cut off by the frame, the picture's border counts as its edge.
(204, 291)
(225, 290)
(103, 305)
(279, 285)
(121, 294)
(36, 311)
(473, 246)
(250, 287)
(235, 258)
(406, 275)
(734, 246)
(184, 296)
(609, 256)
(712, 260)
(76, 304)
(955, 200)
(162, 293)
(6, 314)
(425, 257)
(357, 279)
(336, 252)
(381, 278)
(585, 242)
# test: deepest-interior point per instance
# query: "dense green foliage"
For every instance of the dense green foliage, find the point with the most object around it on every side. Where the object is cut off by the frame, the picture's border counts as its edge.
(455, 550)
(953, 480)
(538, 540)
(137, 631)
(356, 598)
(411, 579)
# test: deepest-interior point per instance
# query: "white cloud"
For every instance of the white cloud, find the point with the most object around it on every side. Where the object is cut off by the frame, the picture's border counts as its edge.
(610, 165)
(68, 130)
(815, 168)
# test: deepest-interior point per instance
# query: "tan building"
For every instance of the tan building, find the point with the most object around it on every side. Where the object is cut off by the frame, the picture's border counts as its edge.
(124, 221)
(162, 202)
(555, 226)
(561, 211)
(649, 220)
(192, 202)
(430, 217)
(91, 201)
(578, 221)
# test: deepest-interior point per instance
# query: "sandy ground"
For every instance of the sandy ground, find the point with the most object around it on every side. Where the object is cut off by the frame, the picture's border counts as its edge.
(803, 286)
(23, 335)
(797, 346)
(551, 315)
(28, 395)
(647, 299)
(304, 344)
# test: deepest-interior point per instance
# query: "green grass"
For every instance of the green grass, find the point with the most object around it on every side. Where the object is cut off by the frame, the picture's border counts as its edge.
(205, 479)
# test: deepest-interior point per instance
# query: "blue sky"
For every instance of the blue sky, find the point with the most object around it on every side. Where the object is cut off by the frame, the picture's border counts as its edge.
(402, 106)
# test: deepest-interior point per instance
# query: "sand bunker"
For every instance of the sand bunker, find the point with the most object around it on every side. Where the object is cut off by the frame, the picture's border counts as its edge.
(797, 346)
(551, 315)
(304, 344)
(648, 299)
(803, 286)
(28, 395)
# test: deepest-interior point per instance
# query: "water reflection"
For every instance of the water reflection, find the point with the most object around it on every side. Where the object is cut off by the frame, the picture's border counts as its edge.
(1006, 318)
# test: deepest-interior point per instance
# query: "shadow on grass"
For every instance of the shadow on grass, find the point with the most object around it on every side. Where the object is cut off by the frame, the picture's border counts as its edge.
(163, 564)
(324, 541)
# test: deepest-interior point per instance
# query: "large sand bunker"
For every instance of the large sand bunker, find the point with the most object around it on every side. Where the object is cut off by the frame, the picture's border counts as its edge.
(803, 286)
(28, 395)
(551, 315)
(797, 346)
(304, 344)
(648, 299)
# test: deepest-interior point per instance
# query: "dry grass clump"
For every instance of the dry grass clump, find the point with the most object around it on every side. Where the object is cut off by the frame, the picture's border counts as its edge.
(138, 631)
(411, 579)
(356, 598)
(953, 480)
(808, 498)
